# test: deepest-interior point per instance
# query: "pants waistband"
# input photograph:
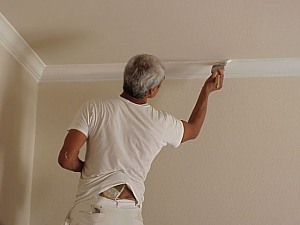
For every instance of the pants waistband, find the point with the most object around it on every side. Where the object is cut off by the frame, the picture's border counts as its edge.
(118, 203)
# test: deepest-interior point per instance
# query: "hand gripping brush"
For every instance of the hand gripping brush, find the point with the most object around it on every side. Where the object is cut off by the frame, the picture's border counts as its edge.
(220, 65)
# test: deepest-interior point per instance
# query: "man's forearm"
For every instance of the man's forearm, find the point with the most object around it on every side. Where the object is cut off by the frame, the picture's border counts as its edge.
(193, 126)
(199, 112)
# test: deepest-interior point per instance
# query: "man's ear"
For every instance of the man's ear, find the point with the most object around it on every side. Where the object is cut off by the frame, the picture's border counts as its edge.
(152, 91)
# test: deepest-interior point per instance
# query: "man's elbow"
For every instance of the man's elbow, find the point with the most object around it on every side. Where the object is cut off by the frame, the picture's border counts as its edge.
(63, 162)
(72, 164)
(190, 131)
(194, 134)
(194, 131)
(190, 136)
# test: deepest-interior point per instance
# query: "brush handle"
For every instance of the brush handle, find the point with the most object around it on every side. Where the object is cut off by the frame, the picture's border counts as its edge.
(218, 77)
(218, 81)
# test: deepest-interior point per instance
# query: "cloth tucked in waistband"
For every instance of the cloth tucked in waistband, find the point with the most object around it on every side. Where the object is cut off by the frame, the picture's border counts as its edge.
(89, 187)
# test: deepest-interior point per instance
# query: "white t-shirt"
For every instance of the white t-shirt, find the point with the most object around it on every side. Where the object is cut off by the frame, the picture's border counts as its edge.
(123, 140)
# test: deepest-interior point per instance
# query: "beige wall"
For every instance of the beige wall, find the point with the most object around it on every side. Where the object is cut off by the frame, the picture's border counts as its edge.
(18, 99)
(242, 169)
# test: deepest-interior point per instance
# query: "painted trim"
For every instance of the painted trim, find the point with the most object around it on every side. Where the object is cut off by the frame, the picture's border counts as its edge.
(276, 67)
(19, 48)
(238, 68)
(82, 72)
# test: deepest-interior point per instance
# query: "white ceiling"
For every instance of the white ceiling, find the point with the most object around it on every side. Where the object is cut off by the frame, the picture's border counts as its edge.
(69, 32)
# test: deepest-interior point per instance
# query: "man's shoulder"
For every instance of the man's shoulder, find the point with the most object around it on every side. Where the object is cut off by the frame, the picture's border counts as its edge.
(98, 102)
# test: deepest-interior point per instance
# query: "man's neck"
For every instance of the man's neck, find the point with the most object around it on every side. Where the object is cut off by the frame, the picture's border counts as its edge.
(139, 101)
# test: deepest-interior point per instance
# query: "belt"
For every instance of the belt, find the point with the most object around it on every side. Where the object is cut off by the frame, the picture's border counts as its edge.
(118, 192)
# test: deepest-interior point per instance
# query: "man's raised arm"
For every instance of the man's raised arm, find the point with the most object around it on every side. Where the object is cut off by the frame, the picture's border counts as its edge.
(193, 126)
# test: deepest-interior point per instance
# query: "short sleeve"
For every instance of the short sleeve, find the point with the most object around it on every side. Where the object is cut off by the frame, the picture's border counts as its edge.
(83, 118)
(173, 131)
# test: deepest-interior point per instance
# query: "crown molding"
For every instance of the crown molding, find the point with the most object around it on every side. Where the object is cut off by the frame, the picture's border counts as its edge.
(19, 48)
(238, 68)
(276, 67)
(83, 72)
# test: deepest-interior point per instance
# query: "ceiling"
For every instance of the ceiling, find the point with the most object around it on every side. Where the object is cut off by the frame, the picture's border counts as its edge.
(68, 32)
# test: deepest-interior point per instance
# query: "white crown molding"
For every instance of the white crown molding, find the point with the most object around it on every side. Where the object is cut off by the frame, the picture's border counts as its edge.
(82, 72)
(276, 67)
(20, 49)
(238, 68)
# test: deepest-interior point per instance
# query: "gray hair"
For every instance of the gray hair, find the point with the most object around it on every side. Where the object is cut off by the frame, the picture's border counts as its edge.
(141, 73)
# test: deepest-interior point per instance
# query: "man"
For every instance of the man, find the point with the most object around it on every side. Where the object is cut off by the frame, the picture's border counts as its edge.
(123, 136)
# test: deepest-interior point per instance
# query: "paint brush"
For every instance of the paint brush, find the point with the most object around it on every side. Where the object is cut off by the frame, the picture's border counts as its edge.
(220, 65)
